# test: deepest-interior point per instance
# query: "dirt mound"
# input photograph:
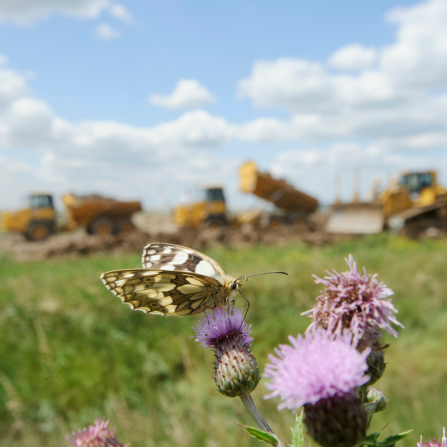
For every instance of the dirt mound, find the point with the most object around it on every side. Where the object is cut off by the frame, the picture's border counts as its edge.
(79, 244)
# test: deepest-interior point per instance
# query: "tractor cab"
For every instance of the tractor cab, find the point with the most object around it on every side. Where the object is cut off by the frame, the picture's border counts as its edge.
(423, 187)
(417, 181)
(208, 209)
(36, 222)
(210, 195)
(39, 201)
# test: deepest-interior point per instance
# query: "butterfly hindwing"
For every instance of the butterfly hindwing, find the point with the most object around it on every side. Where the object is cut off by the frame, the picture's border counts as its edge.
(171, 257)
(161, 292)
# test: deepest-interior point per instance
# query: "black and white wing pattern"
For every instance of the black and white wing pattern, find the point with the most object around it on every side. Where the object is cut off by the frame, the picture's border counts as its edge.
(174, 280)
(158, 255)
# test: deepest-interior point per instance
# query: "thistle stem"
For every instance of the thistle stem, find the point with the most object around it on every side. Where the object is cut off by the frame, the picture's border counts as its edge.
(257, 416)
(251, 407)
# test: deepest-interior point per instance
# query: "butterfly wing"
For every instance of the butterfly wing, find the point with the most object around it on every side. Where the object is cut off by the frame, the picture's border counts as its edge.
(161, 292)
(170, 257)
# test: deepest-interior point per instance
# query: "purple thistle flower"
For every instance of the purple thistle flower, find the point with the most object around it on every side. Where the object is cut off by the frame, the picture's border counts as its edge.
(98, 435)
(353, 301)
(317, 366)
(236, 372)
(321, 372)
(219, 325)
(434, 443)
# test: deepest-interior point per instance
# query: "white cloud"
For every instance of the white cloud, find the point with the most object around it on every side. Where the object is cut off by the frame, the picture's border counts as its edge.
(289, 83)
(188, 93)
(106, 32)
(418, 58)
(120, 12)
(12, 86)
(25, 12)
(353, 57)
(17, 180)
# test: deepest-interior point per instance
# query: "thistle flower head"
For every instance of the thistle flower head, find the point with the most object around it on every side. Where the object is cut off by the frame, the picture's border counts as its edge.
(353, 301)
(434, 443)
(315, 367)
(98, 435)
(219, 325)
(236, 372)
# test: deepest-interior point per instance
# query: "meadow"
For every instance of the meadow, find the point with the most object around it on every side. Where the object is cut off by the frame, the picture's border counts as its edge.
(70, 351)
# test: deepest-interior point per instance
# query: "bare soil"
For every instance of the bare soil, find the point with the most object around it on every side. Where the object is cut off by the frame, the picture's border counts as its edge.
(161, 229)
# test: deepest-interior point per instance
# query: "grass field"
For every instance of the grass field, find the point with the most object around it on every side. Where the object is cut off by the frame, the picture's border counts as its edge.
(71, 352)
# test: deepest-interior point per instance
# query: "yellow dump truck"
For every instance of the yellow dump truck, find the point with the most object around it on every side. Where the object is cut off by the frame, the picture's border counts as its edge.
(96, 214)
(207, 210)
(293, 206)
(416, 200)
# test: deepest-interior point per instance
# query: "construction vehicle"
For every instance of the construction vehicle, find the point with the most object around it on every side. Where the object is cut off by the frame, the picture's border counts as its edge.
(416, 201)
(292, 206)
(96, 214)
(208, 210)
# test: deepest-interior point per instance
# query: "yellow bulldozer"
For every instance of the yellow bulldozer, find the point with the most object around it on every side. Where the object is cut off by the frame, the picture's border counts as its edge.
(96, 214)
(416, 201)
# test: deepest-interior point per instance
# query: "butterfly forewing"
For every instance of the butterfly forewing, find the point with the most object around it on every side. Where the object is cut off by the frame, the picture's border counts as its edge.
(170, 257)
(161, 292)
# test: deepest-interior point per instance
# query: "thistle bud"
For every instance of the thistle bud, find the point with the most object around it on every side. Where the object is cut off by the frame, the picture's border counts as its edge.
(376, 358)
(236, 372)
(374, 401)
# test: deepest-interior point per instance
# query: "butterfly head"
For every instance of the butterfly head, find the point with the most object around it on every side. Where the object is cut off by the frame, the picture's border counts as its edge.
(235, 285)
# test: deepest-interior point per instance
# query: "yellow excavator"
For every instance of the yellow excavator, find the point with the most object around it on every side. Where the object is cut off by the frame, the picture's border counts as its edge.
(97, 214)
(416, 201)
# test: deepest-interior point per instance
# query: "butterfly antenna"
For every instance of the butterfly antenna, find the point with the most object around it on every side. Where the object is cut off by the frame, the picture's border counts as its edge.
(258, 274)
(248, 303)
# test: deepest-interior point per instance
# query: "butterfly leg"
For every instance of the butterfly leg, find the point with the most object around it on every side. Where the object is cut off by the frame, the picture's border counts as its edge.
(248, 303)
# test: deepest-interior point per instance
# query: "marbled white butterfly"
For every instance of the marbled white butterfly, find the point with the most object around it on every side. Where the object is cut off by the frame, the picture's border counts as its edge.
(174, 280)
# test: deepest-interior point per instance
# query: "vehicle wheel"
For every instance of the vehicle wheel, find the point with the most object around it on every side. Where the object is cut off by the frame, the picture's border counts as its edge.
(125, 226)
(37, 231)
(103, 226)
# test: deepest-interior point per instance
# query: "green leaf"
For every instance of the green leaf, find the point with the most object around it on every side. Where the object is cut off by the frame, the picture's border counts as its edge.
(261, 435)
(390, 441)
(298, 432)
(371, 439)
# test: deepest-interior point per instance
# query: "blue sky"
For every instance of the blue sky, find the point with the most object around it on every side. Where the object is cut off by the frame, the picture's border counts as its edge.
(309, 90)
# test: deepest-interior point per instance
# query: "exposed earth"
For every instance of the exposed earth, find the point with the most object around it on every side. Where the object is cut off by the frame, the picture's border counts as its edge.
(153, 228)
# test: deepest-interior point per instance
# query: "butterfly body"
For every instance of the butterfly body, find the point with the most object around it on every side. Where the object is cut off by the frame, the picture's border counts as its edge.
(174, 280)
